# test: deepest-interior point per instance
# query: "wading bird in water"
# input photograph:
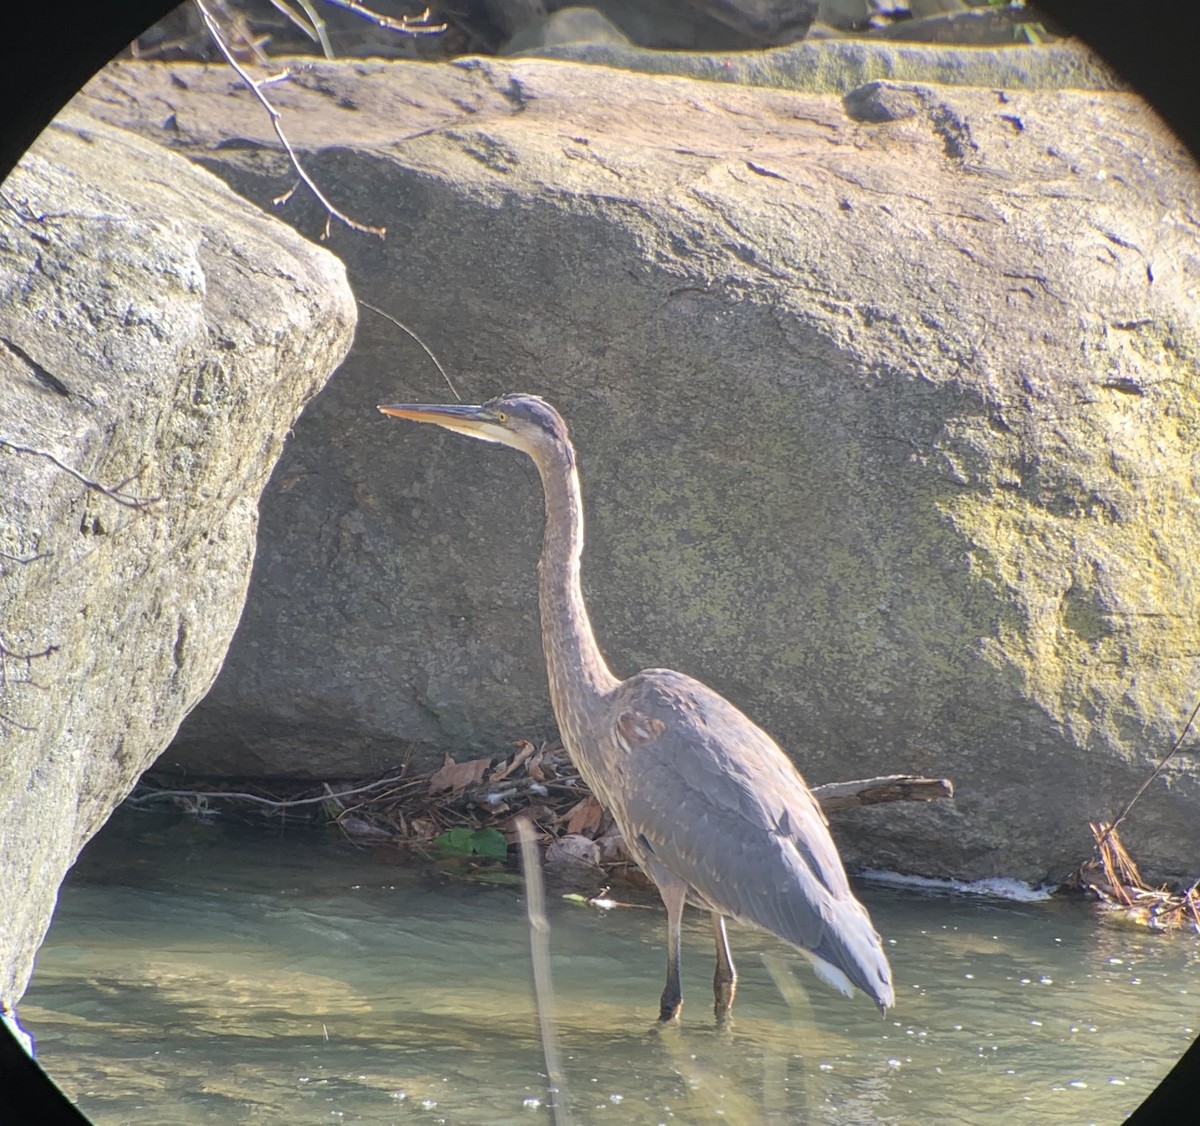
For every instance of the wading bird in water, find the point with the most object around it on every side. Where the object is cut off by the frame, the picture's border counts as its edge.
(709, 806)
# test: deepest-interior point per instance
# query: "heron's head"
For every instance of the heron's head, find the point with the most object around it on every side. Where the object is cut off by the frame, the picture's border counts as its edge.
(525, 422)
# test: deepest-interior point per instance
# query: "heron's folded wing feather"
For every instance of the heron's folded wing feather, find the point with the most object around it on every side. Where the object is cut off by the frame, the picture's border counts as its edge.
(711, 797)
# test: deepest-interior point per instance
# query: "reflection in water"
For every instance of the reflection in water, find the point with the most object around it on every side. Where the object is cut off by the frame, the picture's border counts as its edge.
(218, 974)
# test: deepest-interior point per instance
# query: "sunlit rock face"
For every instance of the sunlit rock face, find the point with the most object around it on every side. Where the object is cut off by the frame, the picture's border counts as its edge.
(158, 336)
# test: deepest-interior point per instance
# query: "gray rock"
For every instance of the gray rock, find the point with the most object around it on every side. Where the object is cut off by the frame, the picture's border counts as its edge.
(996, 27)
(510, 16)
(724, 25)
(158, 336)
(762, 22)
(840, 65)
(887, 432)
(567, 25)
(846, 14)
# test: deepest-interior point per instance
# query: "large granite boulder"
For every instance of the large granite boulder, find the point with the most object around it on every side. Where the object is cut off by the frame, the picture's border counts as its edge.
(886, 407)
(158, 336)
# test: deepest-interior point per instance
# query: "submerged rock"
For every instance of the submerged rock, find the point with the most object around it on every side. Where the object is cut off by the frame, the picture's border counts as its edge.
(886, 409)
(158, 336)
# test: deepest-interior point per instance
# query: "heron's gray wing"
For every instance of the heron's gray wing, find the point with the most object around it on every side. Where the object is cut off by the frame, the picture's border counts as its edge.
(710, 797)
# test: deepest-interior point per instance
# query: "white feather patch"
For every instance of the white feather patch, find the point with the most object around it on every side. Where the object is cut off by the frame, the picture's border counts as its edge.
(830, 974)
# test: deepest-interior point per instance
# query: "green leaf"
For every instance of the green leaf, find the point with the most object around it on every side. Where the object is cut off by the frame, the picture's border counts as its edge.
(489, 843)
(456, 840)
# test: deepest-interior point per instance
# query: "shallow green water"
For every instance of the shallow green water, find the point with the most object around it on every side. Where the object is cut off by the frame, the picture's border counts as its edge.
(212, 973)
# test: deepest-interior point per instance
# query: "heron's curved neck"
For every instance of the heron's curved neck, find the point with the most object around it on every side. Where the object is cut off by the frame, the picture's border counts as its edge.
(576, 668)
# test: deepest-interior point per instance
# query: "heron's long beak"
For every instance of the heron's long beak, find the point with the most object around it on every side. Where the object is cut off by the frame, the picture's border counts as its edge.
(462, 418)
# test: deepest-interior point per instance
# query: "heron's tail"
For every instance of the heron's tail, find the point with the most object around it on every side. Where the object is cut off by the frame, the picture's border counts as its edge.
(851, 955)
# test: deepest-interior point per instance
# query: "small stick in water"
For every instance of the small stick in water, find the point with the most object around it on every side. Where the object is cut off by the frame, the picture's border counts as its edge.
(543, 985)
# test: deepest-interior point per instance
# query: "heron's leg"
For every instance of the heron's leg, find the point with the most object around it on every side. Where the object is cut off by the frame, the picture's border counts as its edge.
(725, 979)
(673, 896)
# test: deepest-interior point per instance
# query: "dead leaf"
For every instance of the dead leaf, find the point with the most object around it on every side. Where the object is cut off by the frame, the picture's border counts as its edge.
(585, 817)
(422, 828)
(457, 776)
(573, 848)
(524, 749)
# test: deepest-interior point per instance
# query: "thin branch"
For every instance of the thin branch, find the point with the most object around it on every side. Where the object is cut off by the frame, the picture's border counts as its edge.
(113, 494)
(408, 25)
(1157, 771)
(24, 212)
(256, 88)
(6, 655)
(274, 804)
(428, 350)
(5, 651)
(25, 558)
(543, 983)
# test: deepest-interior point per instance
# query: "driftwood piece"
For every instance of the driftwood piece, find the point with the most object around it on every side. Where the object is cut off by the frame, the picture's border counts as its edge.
(836, 796)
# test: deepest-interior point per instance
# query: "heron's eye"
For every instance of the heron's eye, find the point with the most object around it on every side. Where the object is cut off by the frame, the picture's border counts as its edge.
(501, 416)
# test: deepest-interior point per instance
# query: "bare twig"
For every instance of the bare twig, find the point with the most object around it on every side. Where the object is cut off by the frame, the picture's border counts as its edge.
(1108, 831)
(256, 88)
(283, 197)
(428, 350)
(543, 983)
(5, 651)
(6, 655)
(113, 494)
(26, 214)
(24, 559)
(239, 34)
(274, 804)
(408, 25)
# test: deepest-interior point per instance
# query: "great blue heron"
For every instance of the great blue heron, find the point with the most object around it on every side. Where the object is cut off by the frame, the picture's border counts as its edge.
(709, 806)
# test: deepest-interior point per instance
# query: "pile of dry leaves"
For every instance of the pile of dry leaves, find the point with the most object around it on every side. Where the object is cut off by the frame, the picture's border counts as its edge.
(468, 807)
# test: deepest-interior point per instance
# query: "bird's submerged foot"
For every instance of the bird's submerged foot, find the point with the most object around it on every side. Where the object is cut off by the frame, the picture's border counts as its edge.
(670, 1006)
(723, 992)
(725, 978)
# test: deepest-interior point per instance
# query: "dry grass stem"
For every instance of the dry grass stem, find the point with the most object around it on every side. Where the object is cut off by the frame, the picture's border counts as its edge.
(1113, 878)
(403, 327)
